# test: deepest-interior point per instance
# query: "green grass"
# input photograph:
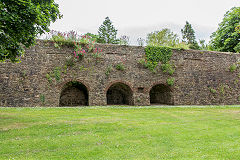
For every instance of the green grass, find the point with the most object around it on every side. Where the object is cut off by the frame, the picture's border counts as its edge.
(120, 133)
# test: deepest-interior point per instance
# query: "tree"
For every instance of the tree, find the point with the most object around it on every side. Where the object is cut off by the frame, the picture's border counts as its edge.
(188, 36)
(20, 23)
(165, 37)
(238, 28)
(92, 36)
(203, 45)
(107, 33)
(227, 36)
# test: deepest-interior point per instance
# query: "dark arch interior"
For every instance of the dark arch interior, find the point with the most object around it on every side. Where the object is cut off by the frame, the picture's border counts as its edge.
(161, 94)
(74, 94)
(119, 94)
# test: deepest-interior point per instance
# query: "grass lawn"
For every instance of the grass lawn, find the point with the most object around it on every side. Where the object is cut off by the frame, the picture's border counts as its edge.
(120, 133)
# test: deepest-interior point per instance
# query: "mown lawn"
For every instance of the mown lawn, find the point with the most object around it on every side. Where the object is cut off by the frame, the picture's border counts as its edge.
(120, 133)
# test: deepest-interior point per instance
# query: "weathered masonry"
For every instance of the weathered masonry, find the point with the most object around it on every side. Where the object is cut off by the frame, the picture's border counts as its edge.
(47, 77)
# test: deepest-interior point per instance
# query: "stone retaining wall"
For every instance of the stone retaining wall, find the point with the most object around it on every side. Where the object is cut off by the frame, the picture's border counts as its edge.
(201, 77)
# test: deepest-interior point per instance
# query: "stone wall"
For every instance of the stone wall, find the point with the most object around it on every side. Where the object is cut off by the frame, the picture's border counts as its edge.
(201, 78)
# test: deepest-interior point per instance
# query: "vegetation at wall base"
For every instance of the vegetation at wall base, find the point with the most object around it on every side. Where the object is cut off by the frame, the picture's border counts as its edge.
(120, 133)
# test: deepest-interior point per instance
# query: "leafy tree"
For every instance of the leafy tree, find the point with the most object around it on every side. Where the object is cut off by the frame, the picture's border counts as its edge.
(21, 21)
(227, 36)
(94, 37)
(107, 33)
(238, 28)
(188, 36)
(203, 45)
(165, 37)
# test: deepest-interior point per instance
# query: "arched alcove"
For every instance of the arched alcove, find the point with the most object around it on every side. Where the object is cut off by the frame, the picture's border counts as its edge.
(161, 94)
(119, 94)
(74, 94)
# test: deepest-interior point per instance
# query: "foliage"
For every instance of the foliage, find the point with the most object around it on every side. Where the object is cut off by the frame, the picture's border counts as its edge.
(62, 38)
(165, 37)
(120, 67)
(124, 40)
(42, 98)
(233, 67)
(237, 47)
(170, 81)
(85, 39)
(203, 45)
(93, 37)
(107, 33)
(97, 53)
(149, 64)
(158, 54)
(79, 51)
(141, 42)
(212, 90)
(69, 61)
(49, 78)
(188, 36)
(238, 28)
(168, 68)
(109, 70)
(227, 36)
(57, 73)
(21, 21)
(182, 45)
(23, 74)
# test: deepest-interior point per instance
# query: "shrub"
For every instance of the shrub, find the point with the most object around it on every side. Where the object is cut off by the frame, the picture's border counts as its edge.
(148, 64)
(109, 70)
(213, 90)
(233, 67)
(170, 81)
(97, 53)
(168, 68)
(57, 74)
(69, 61)
(49, 78)
(42, 98)
(120, 67)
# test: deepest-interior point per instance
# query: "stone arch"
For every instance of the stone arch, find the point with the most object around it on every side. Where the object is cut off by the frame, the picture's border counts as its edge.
(119, 94)
(74, 93)
(161, 94)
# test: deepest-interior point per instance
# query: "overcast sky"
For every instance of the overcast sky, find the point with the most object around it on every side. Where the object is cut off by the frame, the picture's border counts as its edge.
(137, 18)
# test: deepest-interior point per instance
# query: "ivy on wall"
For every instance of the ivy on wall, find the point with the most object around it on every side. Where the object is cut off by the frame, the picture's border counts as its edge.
(159, 54)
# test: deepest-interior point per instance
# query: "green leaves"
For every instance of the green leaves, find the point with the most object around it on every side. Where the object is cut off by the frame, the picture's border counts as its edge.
(20, 22)
(107, 33)
(154, 55)
(188, 36)
(158, 54)
(227, 36)
(162, 38)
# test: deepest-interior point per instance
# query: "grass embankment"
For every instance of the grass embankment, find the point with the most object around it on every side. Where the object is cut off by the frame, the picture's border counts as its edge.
(120, 133)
